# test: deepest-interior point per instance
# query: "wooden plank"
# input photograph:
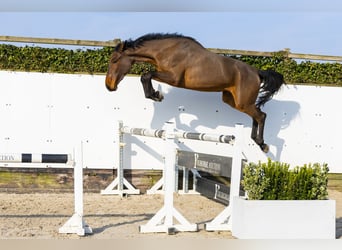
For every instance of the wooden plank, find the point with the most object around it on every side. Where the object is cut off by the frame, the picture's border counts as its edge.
(60, 41)
(241, 52)
(270, 54)
(215, 50)
(315, 57)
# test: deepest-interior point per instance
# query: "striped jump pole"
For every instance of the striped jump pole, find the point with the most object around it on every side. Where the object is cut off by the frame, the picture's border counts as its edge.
(160, 133)
(35, 158)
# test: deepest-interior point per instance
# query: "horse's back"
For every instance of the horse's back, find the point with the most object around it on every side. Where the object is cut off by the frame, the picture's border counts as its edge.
(195, 67)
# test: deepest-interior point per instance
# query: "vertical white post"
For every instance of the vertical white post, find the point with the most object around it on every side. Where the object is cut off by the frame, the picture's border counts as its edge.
(117, 186)
(120, 167)
(76, 224)
(78, 182)
(236, 165)
(170, 171)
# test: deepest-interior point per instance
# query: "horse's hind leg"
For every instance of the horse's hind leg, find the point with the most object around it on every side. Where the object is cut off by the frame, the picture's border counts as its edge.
(257, 115)
(150, 92)
(254, 133)
(259, 119)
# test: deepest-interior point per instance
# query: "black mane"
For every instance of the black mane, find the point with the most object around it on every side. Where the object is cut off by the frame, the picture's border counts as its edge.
(153, 36)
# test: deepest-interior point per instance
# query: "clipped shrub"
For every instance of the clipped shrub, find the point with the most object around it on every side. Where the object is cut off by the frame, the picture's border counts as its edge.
(276, 181)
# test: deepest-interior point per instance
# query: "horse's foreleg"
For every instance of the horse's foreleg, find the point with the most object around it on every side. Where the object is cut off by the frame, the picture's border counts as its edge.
(150, 92)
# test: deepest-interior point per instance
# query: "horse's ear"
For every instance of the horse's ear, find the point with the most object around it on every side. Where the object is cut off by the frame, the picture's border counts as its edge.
(119, 47)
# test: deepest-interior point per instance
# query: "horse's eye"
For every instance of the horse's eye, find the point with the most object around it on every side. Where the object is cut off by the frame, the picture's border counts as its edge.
(115, 58)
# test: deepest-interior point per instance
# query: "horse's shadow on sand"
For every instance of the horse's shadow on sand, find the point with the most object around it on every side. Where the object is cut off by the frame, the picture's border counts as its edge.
(139, 218)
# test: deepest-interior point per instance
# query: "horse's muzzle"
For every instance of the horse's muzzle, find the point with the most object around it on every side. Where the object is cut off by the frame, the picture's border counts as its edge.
(110, 89)
(111, 86)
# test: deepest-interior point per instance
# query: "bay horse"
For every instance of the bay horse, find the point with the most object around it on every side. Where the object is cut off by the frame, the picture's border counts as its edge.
(181, 61)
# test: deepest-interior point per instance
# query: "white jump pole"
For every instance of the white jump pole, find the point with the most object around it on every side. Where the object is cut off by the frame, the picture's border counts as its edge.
(163, 220)
(76, 224)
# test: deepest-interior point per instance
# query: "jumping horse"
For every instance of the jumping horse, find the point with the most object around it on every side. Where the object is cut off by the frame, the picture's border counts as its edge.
(181, 61)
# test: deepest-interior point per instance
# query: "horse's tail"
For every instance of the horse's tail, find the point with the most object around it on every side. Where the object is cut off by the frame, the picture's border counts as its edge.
(271, 83)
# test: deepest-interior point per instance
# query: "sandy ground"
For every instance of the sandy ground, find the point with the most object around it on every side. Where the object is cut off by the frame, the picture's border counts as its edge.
(39, 216)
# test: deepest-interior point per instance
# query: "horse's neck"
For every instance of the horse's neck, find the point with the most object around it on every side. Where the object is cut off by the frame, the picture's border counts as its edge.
(141, 55)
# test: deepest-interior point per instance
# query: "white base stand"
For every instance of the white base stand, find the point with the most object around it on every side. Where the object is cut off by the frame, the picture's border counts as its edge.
(75, 225)
(113, 188)
(157, 188)
(162, 221)
(222, 222)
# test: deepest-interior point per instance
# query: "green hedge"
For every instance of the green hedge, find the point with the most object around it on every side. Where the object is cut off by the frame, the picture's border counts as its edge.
(95, 61)
(53, 59)
(58, 60)
(275, 181)
(305, 72)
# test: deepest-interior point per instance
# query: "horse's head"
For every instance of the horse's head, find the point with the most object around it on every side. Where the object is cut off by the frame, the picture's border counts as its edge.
(119, 66)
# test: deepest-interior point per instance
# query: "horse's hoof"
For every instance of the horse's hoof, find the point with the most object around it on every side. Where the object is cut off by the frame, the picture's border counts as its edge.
(157, 96)
(265, 148)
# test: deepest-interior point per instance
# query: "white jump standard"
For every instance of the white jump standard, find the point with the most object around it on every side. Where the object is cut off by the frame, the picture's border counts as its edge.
(163, 220)
(117, 186)
(76, 224)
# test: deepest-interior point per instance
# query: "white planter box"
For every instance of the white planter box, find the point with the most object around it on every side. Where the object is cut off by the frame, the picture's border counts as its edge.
(283, 219)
